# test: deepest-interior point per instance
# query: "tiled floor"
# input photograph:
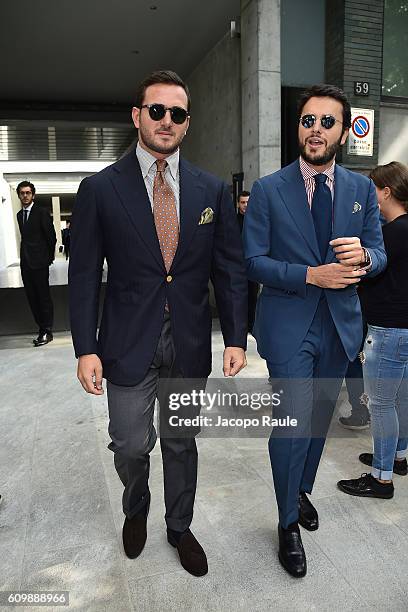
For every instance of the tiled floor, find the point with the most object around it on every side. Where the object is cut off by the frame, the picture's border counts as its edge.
(61, 519)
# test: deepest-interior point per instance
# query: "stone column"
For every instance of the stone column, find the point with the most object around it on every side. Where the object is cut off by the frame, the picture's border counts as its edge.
(56, 213)
(261, 88)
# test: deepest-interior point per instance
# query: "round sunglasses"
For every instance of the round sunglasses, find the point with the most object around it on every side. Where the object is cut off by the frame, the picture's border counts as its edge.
(158, 111)
(326, 121)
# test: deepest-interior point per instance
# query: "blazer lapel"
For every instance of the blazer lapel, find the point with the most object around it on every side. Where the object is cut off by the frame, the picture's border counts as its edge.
(344, 197)
(131, 189)
(192, 198)
(293, 192)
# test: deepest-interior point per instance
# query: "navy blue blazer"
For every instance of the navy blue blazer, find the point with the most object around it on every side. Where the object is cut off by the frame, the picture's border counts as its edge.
(280, 243)
(38, 238)
(112, 218)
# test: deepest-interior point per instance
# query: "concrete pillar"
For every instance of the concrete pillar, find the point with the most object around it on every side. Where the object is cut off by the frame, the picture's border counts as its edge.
(56, 213)
(261, 88)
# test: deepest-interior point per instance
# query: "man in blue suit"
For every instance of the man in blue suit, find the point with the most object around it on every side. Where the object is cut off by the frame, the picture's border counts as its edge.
(311, 232)
(165, 228)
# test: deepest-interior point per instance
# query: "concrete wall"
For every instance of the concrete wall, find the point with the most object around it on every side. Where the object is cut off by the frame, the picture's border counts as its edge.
(393, 134)
(8, 239)
(214, 138)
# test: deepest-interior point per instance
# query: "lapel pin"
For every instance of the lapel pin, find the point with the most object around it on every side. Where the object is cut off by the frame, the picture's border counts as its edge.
(356, 207)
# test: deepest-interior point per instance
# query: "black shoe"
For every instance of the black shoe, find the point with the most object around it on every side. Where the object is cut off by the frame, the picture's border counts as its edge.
(400, 467)
(308, 517)
(367, 486)
(192, 555)
(44, 338)
(134, 534)
(291, 552)
(354, 421)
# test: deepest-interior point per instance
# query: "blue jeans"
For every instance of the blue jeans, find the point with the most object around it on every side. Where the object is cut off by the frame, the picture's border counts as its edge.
(385, 370)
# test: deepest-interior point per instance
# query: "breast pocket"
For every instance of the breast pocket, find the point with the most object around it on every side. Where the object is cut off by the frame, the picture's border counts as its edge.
(207, 229)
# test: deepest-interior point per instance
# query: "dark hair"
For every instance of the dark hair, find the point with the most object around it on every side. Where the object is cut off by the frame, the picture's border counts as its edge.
(25, 184)
(167, 77)
(395, 176)
(327, 91)
(243, 194)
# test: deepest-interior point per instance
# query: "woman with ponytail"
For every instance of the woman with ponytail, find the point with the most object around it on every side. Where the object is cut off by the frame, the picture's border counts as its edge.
(384, 301)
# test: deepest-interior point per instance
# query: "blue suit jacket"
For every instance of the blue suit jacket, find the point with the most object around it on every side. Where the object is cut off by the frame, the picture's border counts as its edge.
(280, 243)
(113, 218)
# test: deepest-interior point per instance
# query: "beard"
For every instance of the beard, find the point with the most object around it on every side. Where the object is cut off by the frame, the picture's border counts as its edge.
(163, 149)
(324, 158)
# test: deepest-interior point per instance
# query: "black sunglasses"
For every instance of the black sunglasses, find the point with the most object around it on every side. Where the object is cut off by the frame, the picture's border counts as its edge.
(326, 121)
(158, 111)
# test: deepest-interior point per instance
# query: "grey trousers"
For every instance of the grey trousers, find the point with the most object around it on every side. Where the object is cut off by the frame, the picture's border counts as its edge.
(133, 435)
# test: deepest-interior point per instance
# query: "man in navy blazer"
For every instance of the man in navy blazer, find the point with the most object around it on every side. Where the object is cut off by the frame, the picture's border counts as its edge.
(156, 321)
(37, 252)
(311, 231)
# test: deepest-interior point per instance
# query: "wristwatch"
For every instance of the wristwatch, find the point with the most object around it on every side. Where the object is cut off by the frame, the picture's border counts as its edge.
(367, 258)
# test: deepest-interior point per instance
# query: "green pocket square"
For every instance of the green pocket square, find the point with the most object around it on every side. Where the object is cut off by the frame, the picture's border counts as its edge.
(207, 216)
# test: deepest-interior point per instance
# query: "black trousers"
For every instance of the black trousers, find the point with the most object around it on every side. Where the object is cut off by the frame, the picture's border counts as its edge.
(37, 288)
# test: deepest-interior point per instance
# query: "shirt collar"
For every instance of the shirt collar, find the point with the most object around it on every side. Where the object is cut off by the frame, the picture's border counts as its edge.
(308, 172)
(28, 209)
(147, 160)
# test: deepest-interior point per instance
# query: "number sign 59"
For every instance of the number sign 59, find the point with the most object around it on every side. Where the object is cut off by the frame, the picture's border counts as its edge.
(361, 88)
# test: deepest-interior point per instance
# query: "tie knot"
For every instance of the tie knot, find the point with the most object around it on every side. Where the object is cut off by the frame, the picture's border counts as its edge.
(161, 165)
(320, 178)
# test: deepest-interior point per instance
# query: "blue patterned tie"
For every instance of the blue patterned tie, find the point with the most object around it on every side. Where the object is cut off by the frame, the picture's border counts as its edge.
(322, 213)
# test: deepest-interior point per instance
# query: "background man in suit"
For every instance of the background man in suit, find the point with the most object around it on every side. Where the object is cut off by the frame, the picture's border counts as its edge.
(37, 252)
(253, 288)
(311, 231)
(165, 227)
(66, 239)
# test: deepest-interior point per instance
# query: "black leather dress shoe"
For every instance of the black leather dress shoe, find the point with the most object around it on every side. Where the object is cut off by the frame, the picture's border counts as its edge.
(308, 517)
(43, 339)
(134, 534)
(367, 486)
(291, 552)
(400, 467)
(192, 555)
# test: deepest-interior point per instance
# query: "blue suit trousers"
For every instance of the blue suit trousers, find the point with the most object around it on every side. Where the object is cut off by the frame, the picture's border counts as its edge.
(309, 385)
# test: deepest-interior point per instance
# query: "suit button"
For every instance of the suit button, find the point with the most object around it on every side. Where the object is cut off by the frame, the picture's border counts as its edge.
(169, 278)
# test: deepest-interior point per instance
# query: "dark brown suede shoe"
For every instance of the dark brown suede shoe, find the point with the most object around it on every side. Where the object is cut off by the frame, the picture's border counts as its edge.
(134, 534)
(192, 556)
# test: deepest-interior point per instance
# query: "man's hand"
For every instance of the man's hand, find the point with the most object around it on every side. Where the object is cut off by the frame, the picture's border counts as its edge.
(89, 374)
(234, 360)
(333, 276)
(349, 251)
